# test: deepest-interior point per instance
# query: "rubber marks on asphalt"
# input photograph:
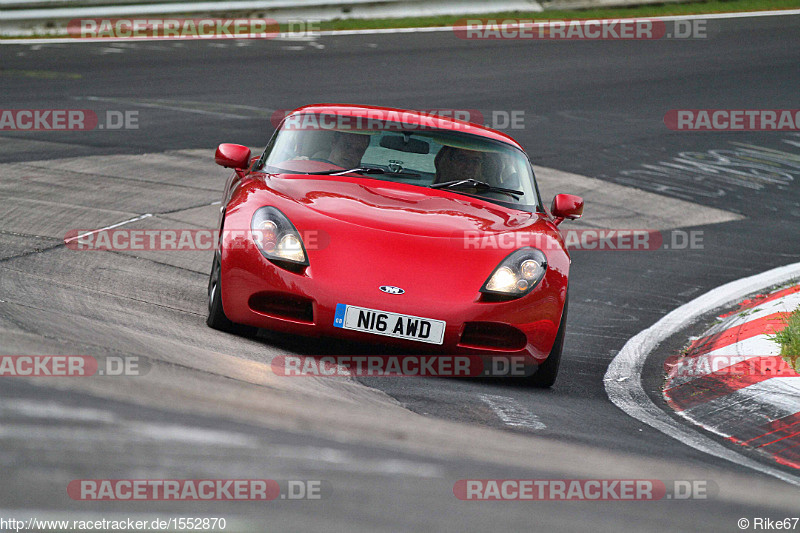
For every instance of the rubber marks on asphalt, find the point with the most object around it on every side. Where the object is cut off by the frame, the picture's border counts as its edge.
(733, 382)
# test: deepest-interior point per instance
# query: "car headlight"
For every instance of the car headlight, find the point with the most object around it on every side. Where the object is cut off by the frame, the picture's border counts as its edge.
(517, 274)
(276, 237)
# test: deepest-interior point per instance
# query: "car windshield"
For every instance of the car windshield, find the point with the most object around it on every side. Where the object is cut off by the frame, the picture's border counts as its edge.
(460, 162)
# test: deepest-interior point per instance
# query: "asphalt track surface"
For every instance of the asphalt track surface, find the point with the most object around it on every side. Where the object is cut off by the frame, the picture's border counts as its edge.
(591, 108)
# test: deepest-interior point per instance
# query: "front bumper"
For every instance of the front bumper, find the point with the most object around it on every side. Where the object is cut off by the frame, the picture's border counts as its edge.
(258, 293)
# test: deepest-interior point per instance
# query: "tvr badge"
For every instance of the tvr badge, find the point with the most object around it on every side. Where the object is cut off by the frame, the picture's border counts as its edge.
(389, 289)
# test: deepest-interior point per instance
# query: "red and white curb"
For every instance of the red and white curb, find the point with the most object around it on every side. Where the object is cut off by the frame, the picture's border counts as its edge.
(733, 382)
(623, 379)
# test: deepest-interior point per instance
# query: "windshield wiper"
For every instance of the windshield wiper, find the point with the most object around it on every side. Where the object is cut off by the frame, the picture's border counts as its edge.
(357, 170)
(362, 170)
(480, 185)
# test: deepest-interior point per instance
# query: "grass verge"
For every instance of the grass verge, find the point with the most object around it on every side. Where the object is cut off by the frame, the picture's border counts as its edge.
(652, 10)
(789, 339)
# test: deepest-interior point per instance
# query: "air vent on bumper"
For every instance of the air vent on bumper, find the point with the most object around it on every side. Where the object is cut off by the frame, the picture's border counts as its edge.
(283, 306)
(492, 336)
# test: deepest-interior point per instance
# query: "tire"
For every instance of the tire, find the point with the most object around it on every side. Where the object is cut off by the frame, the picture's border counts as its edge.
(545, 375)
(216, 314)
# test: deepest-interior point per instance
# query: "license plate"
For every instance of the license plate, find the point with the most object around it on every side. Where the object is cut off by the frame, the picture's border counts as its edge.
(414, 328)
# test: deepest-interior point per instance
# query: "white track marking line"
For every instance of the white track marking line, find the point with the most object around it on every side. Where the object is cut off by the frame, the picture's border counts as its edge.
(48, 409)
(623, 379)
(166, 105)
(191, 434)
(127, 432)
(335, 33)
(346, 461)
(166, 101)
(140, 217)
(511, 412)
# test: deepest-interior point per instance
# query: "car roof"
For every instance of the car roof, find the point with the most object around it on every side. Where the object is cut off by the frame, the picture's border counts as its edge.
(409, 117)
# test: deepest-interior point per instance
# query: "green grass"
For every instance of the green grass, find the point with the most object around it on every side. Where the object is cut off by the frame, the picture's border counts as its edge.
(789, 339)
(653, 10)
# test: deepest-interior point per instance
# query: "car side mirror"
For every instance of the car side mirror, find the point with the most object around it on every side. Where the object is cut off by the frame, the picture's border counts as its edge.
(233, 156)
(566, 206)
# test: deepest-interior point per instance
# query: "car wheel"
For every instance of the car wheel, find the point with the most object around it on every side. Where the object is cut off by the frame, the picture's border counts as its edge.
(216, 314)
(546, 374)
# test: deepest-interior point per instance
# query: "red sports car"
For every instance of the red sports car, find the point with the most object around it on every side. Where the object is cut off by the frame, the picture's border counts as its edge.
(393, 226)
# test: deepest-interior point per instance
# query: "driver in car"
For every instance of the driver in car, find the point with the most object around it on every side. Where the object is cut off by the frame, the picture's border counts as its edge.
(453, 164)
(347, 149)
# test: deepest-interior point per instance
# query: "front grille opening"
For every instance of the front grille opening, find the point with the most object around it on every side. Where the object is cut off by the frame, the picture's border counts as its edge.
(281, 305)
(493, 336)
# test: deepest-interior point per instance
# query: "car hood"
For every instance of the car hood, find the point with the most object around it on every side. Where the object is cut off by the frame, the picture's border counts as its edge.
(399, 207)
